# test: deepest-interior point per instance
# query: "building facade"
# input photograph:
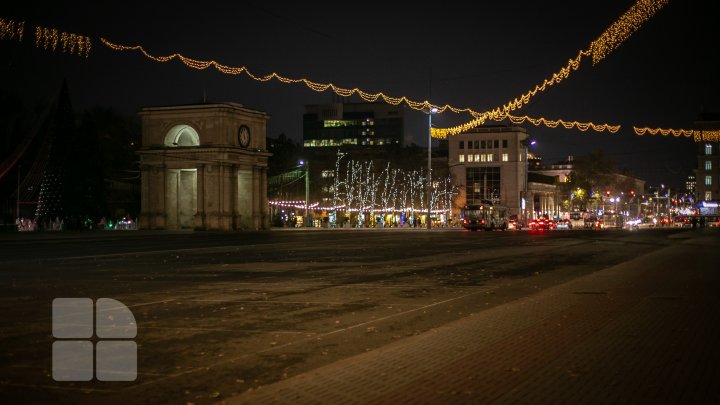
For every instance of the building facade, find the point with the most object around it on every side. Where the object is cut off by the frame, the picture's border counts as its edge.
(352, 124)
(203, 167)
(707, 174)
(490, 163)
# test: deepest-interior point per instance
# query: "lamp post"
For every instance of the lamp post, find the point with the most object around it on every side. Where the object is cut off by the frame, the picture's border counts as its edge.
(431, 111)
(523, 203)
(306, 164)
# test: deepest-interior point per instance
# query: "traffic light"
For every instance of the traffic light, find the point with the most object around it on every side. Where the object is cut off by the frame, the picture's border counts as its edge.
(607, 193)
(632, 193)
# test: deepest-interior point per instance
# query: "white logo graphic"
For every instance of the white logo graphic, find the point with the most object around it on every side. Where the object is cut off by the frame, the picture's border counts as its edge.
(72, 352)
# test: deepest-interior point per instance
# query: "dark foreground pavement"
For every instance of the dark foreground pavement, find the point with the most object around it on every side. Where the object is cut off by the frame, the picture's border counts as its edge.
(376, 316)
(644, 331)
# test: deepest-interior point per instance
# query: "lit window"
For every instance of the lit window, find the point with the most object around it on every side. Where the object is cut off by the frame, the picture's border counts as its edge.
(708, 165)
(328, 173)
(504, 155)
(461, 158)
(483, 158)
(708, 180)
(470, 158)
(708, 149)
(489, 157)
(477, 157)
(476, 187)
(708, 195)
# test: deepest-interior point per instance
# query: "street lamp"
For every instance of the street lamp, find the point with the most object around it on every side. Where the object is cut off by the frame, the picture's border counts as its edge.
(526, 143)
(431, 111)
(306, 164)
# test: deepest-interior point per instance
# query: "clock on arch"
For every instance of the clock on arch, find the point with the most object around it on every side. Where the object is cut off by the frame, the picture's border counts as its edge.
(244, 136)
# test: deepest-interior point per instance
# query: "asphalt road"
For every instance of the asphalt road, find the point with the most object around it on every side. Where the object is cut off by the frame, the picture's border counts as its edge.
(219, 314)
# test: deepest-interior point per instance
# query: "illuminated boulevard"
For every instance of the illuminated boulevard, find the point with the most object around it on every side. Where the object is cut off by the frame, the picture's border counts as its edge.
(377, 316)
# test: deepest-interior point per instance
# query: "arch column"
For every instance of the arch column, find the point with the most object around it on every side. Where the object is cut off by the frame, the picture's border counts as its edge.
(199, 220)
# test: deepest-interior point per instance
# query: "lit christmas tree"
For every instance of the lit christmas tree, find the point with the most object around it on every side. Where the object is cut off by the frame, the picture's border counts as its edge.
(51, 199)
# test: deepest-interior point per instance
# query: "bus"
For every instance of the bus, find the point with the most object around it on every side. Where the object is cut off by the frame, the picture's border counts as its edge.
(486, 216)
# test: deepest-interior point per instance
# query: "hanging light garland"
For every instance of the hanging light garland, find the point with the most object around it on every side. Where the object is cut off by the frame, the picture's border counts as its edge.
(697, 135)
(664, 132)
(9, 29)
(497, 115)
(624, 27)
(610, 40)
(315, 86)
(707, 136)
(442, 133)
(50, 38)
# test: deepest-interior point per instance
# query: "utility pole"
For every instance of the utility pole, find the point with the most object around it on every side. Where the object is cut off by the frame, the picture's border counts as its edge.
(431, 111)
(307, 194)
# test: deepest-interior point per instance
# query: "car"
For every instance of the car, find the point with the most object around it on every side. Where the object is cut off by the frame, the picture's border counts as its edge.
(591, 222)
(542, 224)
(563, 224)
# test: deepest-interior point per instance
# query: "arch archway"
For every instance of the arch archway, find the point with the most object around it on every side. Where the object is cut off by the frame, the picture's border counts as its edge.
(182, 135)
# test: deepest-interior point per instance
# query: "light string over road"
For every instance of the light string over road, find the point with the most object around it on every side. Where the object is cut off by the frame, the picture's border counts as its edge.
(611, 39)
(599, 49)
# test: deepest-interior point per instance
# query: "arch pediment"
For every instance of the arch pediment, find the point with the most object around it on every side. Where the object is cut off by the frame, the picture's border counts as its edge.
(182, 135)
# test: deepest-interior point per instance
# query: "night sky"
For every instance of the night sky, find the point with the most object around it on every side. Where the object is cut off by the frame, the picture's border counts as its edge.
(477, 56)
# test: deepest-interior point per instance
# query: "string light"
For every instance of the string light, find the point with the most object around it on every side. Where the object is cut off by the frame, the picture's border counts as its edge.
(623, 27)
(610, 40)
(697, 135)
(442, 133)
(9, 29)
(315, 86)
(50, 38)
(664, 132)
(707, 136)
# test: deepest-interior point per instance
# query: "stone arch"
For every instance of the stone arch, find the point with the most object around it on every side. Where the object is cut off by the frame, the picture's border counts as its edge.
(182, 135)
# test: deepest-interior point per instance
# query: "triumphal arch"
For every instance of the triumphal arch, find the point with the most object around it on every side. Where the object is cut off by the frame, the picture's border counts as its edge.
(203, 167)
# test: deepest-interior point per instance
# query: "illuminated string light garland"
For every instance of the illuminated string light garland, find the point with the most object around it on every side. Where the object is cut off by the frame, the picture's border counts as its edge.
(623, 27)
(664, 132)
(50, 38)
(697, 135)
(582, 126)
(442, 133)
(620, 30)
(707, 136)
(611, 38)
(318, 87)
(9, 29)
